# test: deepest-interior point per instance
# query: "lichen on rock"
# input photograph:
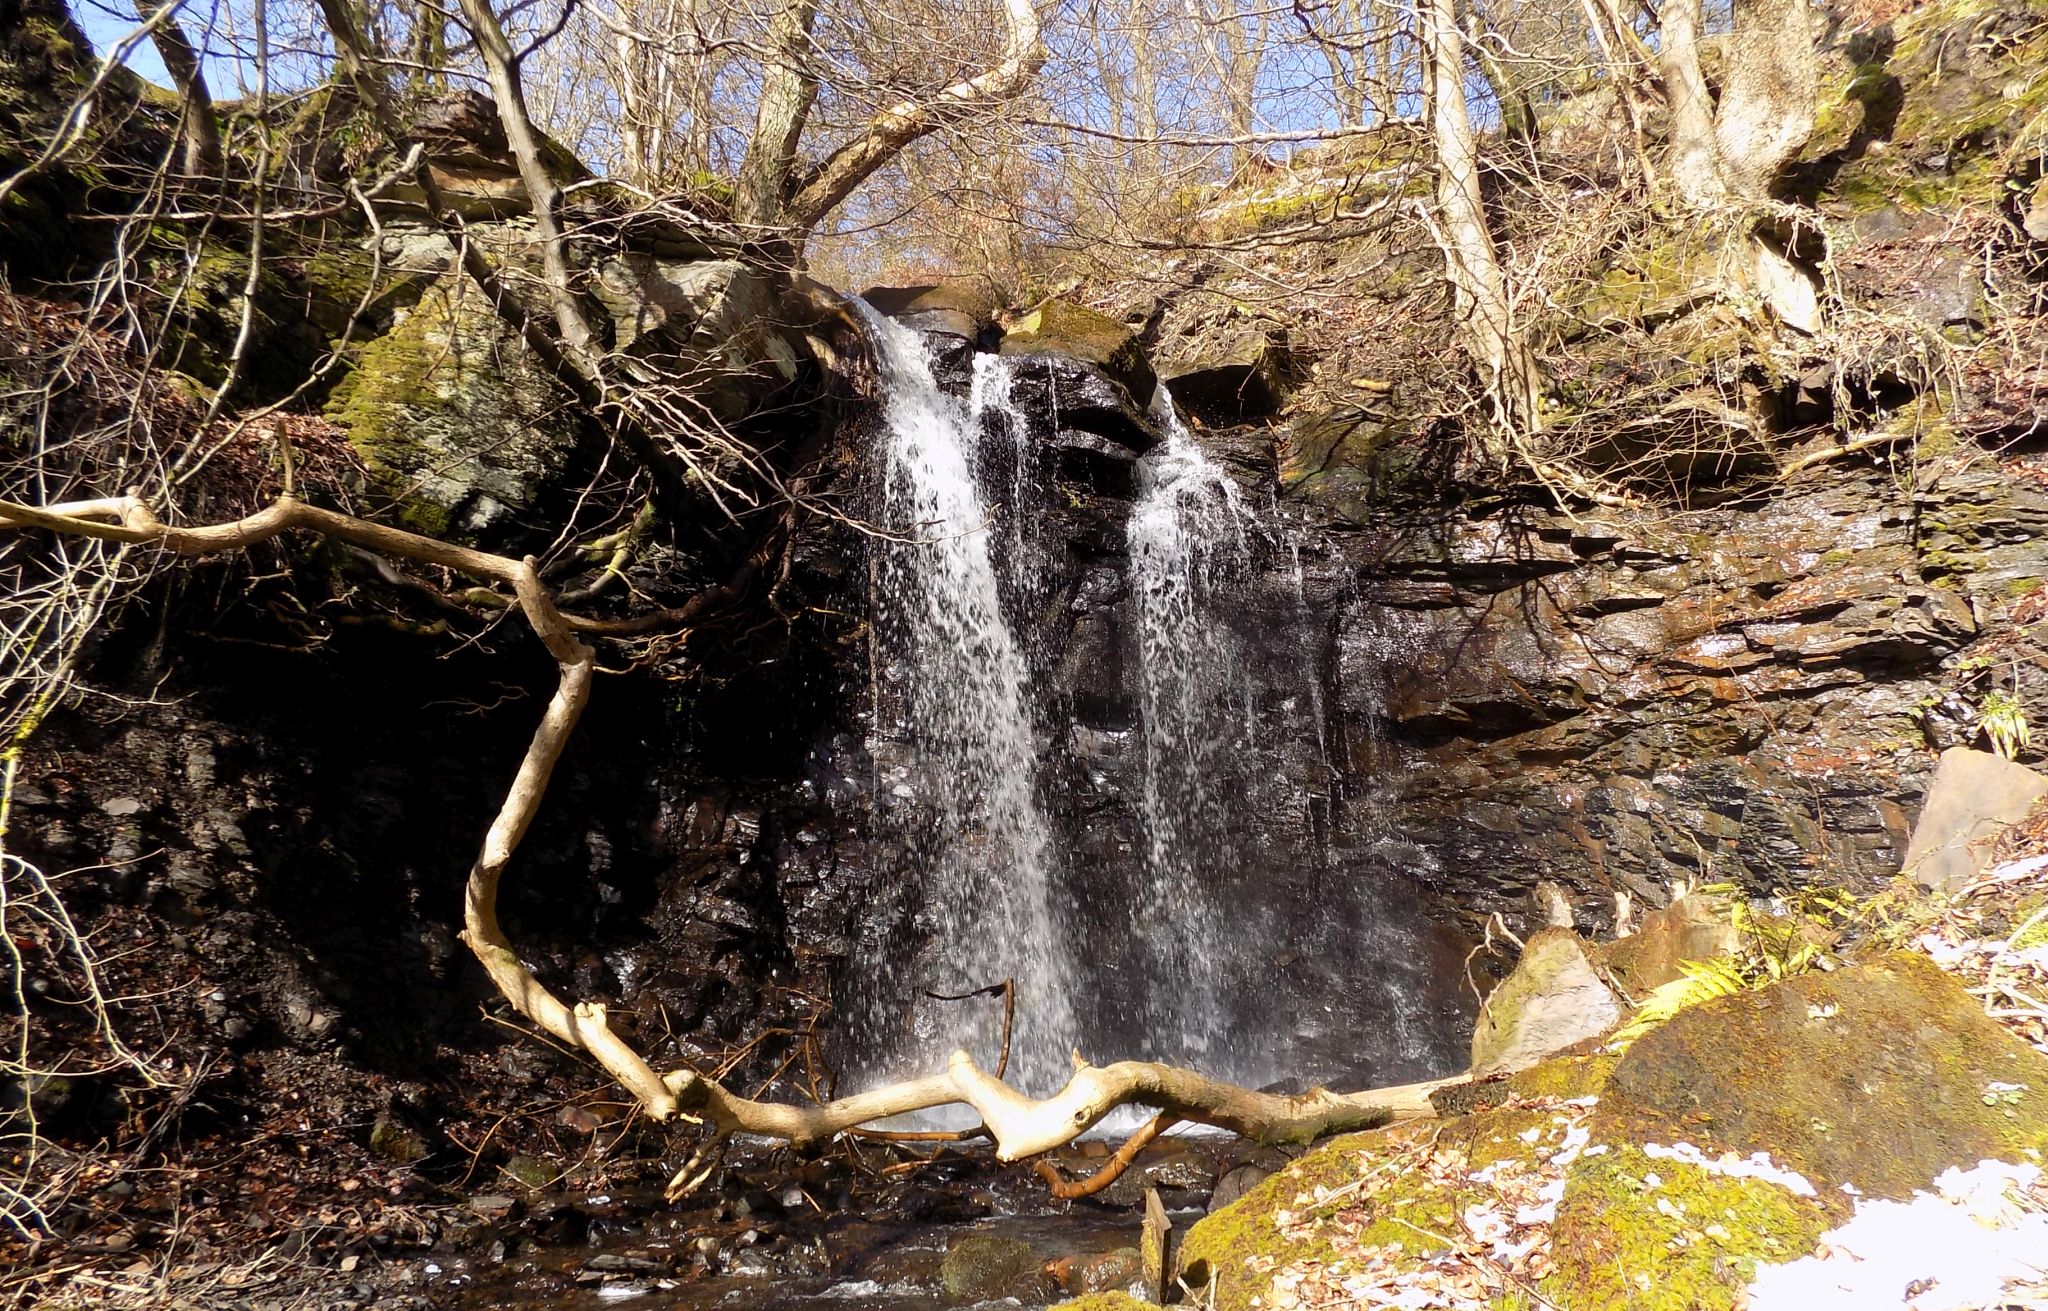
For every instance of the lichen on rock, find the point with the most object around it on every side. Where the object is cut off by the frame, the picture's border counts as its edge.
(463, 432)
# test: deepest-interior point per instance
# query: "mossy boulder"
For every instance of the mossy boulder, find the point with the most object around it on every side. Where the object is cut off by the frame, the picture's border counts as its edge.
(1637, 1233)
(1725, 1138)
(1060, 327)
(984, 1266)
(1400, 1192)
(1881, 1075)
(45, 61)
(463, 433)
(1562, 1077)
(1104, 1302)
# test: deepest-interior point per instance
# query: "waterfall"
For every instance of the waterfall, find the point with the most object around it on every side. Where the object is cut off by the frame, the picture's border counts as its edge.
(1188, 553)
(963, 791)
(1157, 859)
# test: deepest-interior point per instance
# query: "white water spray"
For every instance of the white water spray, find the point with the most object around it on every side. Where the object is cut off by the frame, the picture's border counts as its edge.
(964, 793)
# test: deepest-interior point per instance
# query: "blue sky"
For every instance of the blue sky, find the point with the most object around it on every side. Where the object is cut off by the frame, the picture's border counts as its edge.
(106, 25)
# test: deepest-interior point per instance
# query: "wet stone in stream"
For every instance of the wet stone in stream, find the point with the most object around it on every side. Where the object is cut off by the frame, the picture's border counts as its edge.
(777, 1233)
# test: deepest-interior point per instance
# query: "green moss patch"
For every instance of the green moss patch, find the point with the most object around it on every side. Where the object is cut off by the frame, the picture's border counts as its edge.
(1379, 1206)
(459, 429)
(1881, 1075)
(1104, 1302)
(1061, 327)
(1663, 1235)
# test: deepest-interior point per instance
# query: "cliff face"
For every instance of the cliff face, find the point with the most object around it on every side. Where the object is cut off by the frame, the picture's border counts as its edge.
(1742, 695)
(1824, 556)
(1468, 688)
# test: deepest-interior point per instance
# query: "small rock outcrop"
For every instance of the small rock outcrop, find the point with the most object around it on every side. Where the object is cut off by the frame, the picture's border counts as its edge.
(1974, 797)
(1554, 999)
(1061, 327)
(461, 431)
(984, 1266)
(1689, 929)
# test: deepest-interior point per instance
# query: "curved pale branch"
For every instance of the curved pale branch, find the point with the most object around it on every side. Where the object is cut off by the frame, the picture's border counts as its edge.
(129, 519)
(1021, 1126)
(896, 126)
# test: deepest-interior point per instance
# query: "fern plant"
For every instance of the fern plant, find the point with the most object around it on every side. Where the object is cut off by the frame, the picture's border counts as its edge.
(1790, 938)
(1698, 981)
(2004, 721)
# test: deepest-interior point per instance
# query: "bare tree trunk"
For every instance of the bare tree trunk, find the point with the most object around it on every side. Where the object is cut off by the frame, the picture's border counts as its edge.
(501, 70)
(1478, 287)
(789, 85)
(1695, 159)
(203, 154)
(1767, 106)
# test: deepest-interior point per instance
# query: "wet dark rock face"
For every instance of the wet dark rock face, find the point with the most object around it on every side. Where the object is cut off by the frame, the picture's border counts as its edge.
(1743, 694)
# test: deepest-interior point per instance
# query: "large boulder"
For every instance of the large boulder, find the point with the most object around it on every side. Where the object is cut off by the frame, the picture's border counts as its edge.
(1974, 797)
(1734, 1136)
(1061, 327)
(1739, 1132)
(1880, 1075)
(464, 435)
(1555, 999)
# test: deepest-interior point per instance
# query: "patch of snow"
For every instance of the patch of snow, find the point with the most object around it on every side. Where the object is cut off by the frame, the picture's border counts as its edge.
(1545, 1210)
(1575, 1139)
(1951, 1250)
(1757, 1165)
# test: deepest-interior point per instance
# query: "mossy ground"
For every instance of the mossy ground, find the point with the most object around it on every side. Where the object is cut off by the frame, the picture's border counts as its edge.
(1662, 1235)
(1392, 1200)
(1104, 1302)
(1876, 1075)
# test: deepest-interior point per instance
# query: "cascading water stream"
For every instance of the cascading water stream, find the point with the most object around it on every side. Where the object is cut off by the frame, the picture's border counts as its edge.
(964, 789)
(1188, 549)
(1141, 836)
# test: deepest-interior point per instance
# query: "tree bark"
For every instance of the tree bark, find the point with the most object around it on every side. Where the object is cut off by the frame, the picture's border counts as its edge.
(1020, 1125)
(789, 86)
(501, 70)
(1478, 287)
(1767, 107)
(203, 154)
(1694, 163)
